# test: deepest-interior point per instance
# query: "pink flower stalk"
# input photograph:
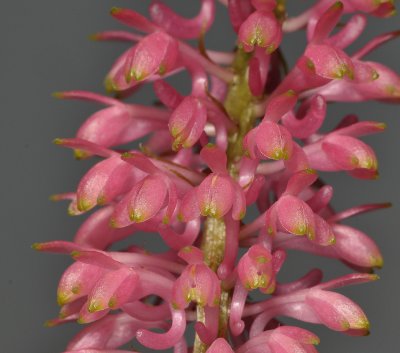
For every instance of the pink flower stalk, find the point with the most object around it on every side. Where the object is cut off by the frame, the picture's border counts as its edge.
(245, 134)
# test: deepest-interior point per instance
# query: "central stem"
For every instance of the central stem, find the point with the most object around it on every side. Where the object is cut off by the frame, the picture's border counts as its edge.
(239, 105)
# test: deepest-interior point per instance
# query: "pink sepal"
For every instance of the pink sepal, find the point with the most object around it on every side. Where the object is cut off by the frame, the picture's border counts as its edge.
(215, 195)
(110, 332)
(299, 160)
(97, 258)
(58, 247)
(310, 279)
(77, 281)
(177, 240)
(96, 231)
(192, 255)
(189, 207)
(348, 280)
(227, 265)
(239, 10)
(324, 234)
(255, 80)
(146, 312)
(321, 198)
(72, 309)
(167, 94)
(260, 29)
(220, 345)
(197, 283)
(338, 312)
(295, 216)
(329, 62)
(283, 344)
(187, 122)
(361, 128)
(133, 19)
(181, 27)
(83, 148)
(169, 338)
(351, 31)
(356, 247)
(299, 181)
(298, 334)
(274, 141)
(214, 157)
(255, 269)
(208, 332)
(383, 8)
(348, 153)
(279, 105)
(386, 87)
(304, 125)
(155, 54)
(327, 22)
(354, 211)
(121, 36)
(104, 182)
(117, 125)
(112, 290)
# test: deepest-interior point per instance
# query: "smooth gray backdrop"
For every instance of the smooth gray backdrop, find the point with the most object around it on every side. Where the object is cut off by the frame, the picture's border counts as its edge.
(44, 48)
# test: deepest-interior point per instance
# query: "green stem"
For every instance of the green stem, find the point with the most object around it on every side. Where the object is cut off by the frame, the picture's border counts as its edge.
(239, 105)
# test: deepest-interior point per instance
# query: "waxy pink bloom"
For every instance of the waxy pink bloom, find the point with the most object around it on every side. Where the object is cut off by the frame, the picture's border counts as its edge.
(246, 135)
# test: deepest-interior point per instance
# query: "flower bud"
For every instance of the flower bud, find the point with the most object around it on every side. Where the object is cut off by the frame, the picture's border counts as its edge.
(255, 269)
(143, 202)
(187, 122)
(260, 29)
(338, 312)
(274, 141)
(103, 182)
(155, 54)
(197, 283)
(329, 62)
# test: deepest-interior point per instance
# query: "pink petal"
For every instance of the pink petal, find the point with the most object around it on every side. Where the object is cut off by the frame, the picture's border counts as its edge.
(215, 195)
(356, 247)
(215, 158)
(274, 141)
(156, 53)
(181, 27)
(295, 216)
(187, 122)
(260, 29)
(338, 312)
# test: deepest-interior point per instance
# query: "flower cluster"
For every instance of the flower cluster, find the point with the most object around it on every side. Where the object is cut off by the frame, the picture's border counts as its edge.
(248, 133)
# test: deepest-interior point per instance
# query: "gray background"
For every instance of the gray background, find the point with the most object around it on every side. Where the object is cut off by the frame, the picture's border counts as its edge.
(44, 48)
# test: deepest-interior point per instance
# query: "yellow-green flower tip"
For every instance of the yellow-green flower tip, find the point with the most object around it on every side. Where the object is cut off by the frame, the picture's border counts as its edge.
(94, 36)
(62, 298)
(58, 95)
(127, 155)
(49, 323)
(83, 204)
(94, 306)
(58, 141)
(115, 10)
(75, 254)
(36, 246)
(80, 154)
(338, 5)
(112, 303)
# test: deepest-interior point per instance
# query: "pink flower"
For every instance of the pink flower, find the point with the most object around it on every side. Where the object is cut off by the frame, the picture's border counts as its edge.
(245, 136)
